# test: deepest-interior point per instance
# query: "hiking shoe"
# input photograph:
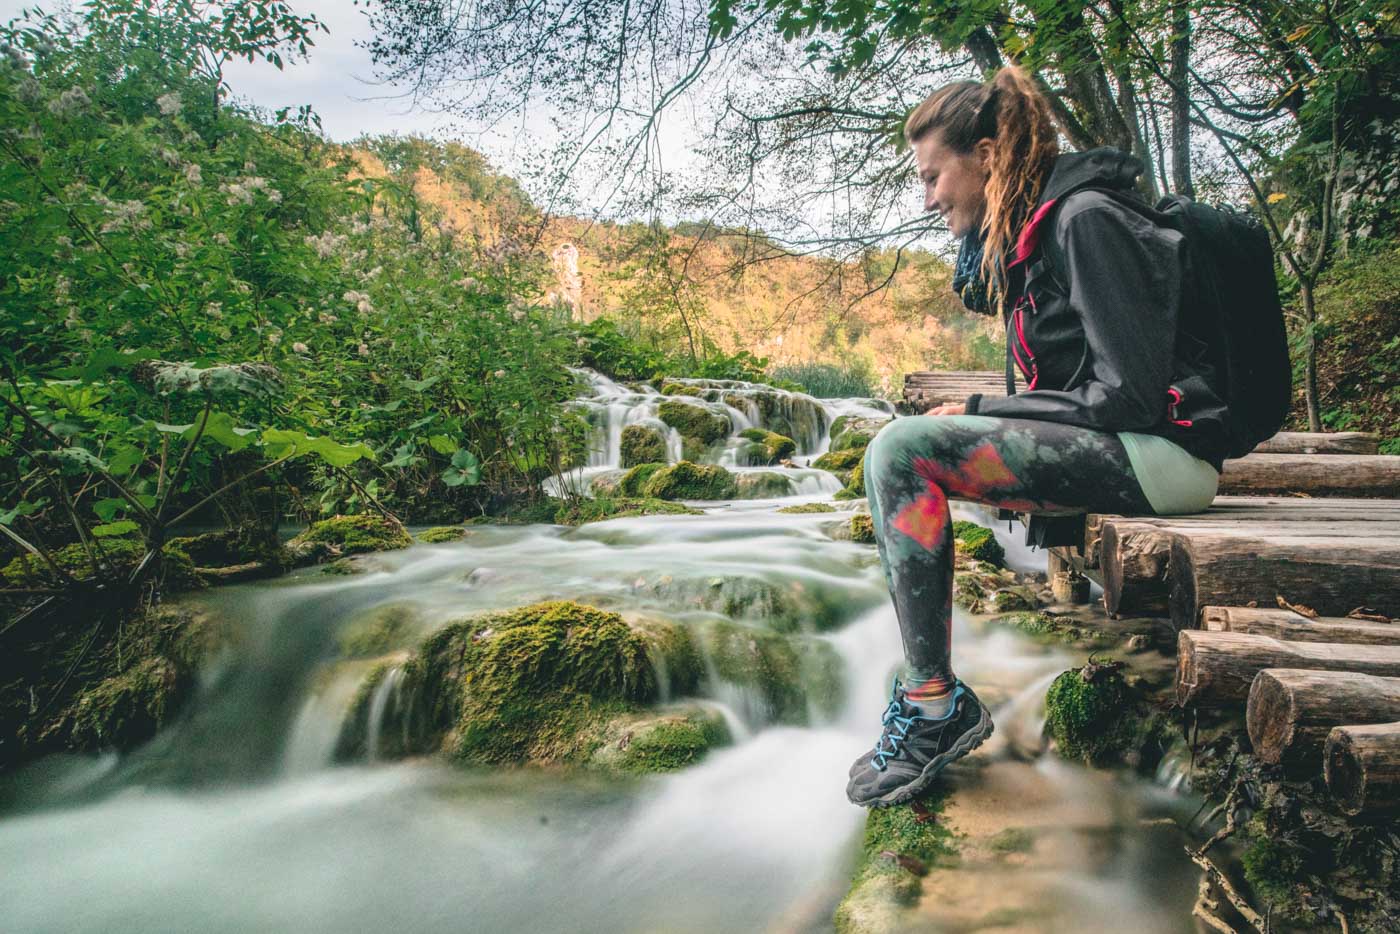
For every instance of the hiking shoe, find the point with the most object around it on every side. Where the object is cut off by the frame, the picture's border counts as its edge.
(913, 749)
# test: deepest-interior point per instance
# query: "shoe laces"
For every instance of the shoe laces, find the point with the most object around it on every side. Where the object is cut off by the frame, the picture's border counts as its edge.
(897, 724)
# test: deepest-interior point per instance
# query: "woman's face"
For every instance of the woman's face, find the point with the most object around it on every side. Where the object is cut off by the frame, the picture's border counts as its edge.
(954, 183)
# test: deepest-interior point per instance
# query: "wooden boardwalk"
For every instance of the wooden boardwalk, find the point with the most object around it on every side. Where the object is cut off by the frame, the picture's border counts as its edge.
(1285, 594)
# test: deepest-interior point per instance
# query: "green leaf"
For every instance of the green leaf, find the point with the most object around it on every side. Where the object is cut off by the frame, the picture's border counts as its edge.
(221, 429)
(107, 509)
(465, 470)
(281, 442)
(231, 379)
(124, 527)
(80, 458)
(23, 509)
(418, 385)
(442, 444)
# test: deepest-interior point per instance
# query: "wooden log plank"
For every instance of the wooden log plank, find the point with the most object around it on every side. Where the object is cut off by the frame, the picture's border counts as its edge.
(1362, 767)
(1214, 669)
(1333, 575)
(1315, 474)
(1294, 627)
(1307, 442)
(1290, 711)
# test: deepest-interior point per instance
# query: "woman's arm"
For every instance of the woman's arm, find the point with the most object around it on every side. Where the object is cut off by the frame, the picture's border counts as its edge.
(1125, 278)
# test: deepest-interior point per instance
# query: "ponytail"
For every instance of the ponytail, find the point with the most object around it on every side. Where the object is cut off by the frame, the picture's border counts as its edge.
(1011, 111)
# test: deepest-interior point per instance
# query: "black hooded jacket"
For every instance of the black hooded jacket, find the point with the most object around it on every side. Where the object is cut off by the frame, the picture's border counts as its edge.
(1092, 301)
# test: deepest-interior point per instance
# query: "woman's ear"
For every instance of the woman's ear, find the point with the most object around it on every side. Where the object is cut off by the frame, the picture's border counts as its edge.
(984, 149)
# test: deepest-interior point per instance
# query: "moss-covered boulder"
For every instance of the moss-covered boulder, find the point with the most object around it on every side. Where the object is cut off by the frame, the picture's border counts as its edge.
(693, 421)
(854, 431)
(978, 543)
(237, 553)
(762, 484)
(779, 604)
(1090, 713)
(901, 845)
(784, 677)
(128, 708)
(440, 534)
(840, 461)
(862, 529)
(642, 444)
(659, 742)
(534, 684)
(351, 535)
(855, 484)
(675, 656)
(111, 559)
(686, 480)
(805, 508)
(673, 387)
(766, 448)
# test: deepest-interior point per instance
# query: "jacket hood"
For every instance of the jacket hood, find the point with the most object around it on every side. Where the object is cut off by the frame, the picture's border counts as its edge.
(1104, 167)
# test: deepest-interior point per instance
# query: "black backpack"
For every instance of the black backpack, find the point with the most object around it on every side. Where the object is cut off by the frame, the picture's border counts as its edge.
(1231, 312)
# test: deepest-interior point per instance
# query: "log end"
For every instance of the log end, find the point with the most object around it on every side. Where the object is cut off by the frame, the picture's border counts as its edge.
(1346, 778)
(1270, 717)
(1182, 601)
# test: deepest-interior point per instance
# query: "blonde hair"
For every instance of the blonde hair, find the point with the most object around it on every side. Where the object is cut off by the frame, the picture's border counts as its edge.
(1010, 111)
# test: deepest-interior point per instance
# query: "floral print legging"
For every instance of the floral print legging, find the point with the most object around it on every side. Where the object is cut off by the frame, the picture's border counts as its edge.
(916, 464)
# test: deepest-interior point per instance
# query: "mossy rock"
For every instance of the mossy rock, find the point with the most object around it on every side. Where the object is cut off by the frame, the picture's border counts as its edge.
(442, 533)
(534, 684)
(378, 631)
(693, 422)
(642, 445)
(602, 508)
(767, 447)
(1011, 840)
(855, 431)
(1091, 713)
(229, 548)
(675, 656)
(117, 559)
(805, 508)
(978, 542)
(1049, 628)
(837, 461)
(1011, 599)
(788, 675)
(659, 742)
(855, 484)
(901, 844)
(356, 534)
(782, 605)
(862, 529)
(634, 481)
(762, 484)
(691, 481)
(127, 709)
(673, 388)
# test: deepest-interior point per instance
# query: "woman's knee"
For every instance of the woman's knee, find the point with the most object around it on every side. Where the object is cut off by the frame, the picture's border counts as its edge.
(928, 436)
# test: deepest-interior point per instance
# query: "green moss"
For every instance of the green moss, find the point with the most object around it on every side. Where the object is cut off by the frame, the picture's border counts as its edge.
(675, 657)
(691, 481)
(803, 508)
(900, 845)
(978, 542)
(1091, 713)
(654, 744)
(228, 548)
(378, 631)
(128, 708)
(768, 447)
(601, 508)
(693, 422)
(787, 673)
(342, 567)
(1011, 840)
(1273, 869)
(672, 388)
(862, 529)
(1009, 599)
(357, 534)
(761, 484)
(635, 480)
(117, 559)
(442, 533)
(1048, 628)
(840, 460)
(538, 683)
(855, 484)
(642, 445)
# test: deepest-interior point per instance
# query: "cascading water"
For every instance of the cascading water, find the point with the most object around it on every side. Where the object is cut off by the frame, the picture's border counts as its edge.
(237, 816)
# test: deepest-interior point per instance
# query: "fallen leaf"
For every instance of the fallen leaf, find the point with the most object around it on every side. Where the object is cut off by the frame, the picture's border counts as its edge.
(1298, 608)
(1369, 614)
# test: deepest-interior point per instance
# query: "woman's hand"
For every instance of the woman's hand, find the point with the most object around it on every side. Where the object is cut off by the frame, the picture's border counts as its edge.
(948, 408)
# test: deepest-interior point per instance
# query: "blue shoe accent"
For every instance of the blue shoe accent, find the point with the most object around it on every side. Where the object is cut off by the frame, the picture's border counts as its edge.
(897, 723)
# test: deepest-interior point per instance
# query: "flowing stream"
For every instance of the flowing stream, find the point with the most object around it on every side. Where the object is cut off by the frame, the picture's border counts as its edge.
(237, 818)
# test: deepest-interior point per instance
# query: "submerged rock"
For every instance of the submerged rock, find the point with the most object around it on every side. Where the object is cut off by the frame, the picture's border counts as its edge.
(786, 677)
(378, 631)
(642, 445)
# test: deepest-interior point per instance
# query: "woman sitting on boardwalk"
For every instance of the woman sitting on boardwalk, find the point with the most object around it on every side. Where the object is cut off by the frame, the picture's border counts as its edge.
(1117, 415)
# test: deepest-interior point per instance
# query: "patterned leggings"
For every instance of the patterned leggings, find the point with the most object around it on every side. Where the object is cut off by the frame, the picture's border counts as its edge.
(916, 464)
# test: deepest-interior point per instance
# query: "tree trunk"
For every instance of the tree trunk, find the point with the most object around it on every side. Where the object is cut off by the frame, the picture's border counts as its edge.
(1333, 575)
(1181, 106)
(1294, 627)
(1291, 711)
(1356, 475)
(1215, 669)
(1362, 767)
(1310, 354)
